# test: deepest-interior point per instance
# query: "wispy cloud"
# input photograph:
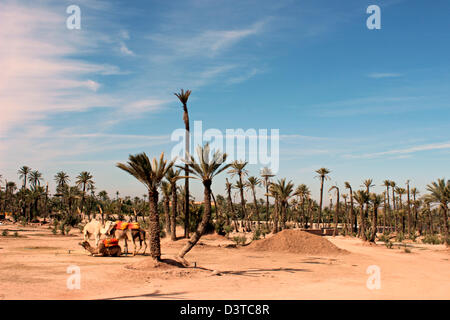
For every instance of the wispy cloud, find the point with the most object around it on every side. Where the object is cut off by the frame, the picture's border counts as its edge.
(404, 151)
(378, 75)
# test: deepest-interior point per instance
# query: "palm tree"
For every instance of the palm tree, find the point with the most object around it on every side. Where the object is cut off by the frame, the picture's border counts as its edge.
(238, 168)
(376, 202)
(323, 175)
(151, 175)
(401, 192)
(61, 179)
(85, 180)
(409, 207)
(353, 221)
(284, 190)
(440, 193)
(302, 191)
(387, 184)
(205, 170)
(266, 173)
(414, 193)
(35, 178)
(336, 216)
(23, 174)
(361, 196)
(183, 96)
(368, 184)
(252, 183)
(228, 187)
(173, 176)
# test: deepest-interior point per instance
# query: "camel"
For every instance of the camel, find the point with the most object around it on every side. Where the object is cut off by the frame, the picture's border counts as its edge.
(127, 234)
(113, 251)
(93, 228)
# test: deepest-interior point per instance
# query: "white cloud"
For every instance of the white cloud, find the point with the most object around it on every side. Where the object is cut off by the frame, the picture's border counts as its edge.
(404, 151)
(377, 75)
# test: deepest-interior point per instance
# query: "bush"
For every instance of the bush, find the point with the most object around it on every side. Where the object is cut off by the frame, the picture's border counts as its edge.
(228, 229)
(256, 234)
(388, 244)
(407, 250)
(400, 237)
(16, 234)
(432, 239)
(5, 233)
(240, 240)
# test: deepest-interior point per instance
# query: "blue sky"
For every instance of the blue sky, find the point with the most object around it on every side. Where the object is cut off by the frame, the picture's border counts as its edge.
(363, 103)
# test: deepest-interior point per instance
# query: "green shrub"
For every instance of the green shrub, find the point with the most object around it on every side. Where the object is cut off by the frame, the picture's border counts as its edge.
(432, 239)
(16, 234)
(5, 233)
(400, 237)
(388, 244)
(228, 229)
(240, 240)
(256, 234)
(407, 250)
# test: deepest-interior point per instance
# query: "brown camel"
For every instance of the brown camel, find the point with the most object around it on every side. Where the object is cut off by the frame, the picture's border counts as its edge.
(113, 251)
(127, 234)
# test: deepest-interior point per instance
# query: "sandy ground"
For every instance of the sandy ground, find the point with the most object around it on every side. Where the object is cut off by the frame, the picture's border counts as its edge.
(34, 266)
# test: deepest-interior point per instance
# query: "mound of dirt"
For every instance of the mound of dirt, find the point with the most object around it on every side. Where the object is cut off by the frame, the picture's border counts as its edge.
(150, 264)
(296, 241)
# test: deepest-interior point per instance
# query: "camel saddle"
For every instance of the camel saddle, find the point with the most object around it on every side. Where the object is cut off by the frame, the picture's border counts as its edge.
(121, 225)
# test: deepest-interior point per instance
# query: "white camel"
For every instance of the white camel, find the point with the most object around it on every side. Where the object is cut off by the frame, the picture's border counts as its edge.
(93, 228)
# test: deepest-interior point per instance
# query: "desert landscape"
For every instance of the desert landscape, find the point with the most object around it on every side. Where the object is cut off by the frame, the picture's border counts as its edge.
(33, 266)
(248, 150)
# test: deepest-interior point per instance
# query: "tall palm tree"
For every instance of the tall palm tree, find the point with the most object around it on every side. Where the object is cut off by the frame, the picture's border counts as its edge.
(61, 179)
(303, 192)
(401, 192)
(387, 209)
(376, 200)
(173, 176)
(361, 197)
(23, 174)
(368, 183)
(409, 207)
(336, 216)
(353, 220)
(228, 187)
(84, 179)
(208, 166)
(150, 174)
(183, 96)
(35, 178)
(440, 193)
(323, 175)
(284, 191)
(414, 193)
(238, 168)
(252, 183)
(266, 174)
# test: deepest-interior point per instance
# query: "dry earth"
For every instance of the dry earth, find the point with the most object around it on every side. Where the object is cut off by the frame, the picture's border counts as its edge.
(34, 266)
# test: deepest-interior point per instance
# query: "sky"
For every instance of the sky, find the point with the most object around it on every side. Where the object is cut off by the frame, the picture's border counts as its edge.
(363, 103)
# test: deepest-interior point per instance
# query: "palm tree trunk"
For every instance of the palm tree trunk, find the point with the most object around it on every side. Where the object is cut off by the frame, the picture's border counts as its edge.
(320, 203)
(336, 216)
(173, 216)
(186, 173)
(203, 223)
(374, 224)
(166, 215)
(155, 246)
(256, 207)
(445, 210)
